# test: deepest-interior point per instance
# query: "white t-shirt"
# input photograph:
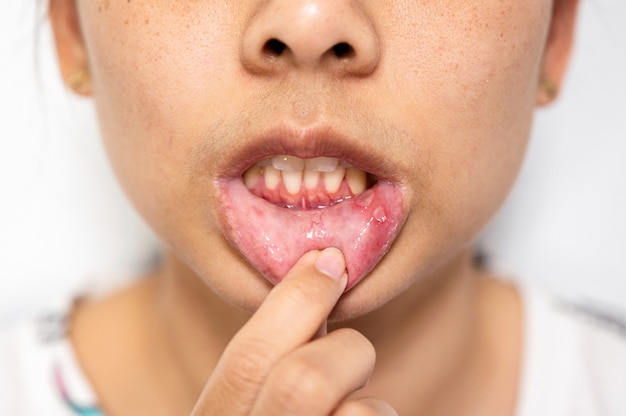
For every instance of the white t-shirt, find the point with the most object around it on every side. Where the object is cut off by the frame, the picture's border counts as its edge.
(574, 360)
(574, 364)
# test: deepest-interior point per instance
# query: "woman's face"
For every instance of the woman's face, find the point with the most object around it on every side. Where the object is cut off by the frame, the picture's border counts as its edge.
(427, 103)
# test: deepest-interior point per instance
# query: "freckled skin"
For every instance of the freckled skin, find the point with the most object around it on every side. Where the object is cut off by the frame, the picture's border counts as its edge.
(434, 98)
(449, 105)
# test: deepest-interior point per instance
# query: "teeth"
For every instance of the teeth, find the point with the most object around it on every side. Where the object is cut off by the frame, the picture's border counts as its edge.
(264, 162)
(322, 164)
(311, 179)
(251, 176)
(332, 180)
(293, 181)
(272, 177)
(288, 163)
(357, 180)
(305, 174)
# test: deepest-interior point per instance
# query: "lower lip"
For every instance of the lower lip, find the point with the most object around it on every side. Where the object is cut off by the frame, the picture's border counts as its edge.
(273, 238)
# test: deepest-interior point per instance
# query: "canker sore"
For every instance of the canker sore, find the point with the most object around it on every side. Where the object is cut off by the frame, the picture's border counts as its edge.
(272, 227)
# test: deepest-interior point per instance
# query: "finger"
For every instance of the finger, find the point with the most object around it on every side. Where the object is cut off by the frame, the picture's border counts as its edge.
(316, 377)
(289, 317)
(365, 407)
(322, 330)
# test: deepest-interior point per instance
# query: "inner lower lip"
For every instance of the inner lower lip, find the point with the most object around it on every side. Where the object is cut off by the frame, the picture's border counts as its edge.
(272, 237)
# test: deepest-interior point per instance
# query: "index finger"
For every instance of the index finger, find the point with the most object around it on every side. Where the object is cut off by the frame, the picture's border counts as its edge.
(290, 316)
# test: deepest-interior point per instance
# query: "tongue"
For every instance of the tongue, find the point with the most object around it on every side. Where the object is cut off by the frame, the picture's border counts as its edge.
(273, 238)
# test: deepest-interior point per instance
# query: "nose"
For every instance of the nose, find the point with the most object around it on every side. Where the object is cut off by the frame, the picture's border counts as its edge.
(320, 35)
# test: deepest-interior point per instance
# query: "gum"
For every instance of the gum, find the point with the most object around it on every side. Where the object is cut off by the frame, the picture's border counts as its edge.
(272, 238)
(314, 198)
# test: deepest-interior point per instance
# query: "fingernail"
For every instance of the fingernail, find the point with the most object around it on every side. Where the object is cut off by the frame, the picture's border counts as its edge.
(331, 262)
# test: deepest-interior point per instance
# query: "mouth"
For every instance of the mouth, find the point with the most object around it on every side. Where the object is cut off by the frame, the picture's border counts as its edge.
(292, 192)
(316, 183)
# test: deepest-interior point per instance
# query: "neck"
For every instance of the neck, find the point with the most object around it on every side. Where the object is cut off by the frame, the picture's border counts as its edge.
(434, 330)
(426, 339)
(437, 339)
(197, 323)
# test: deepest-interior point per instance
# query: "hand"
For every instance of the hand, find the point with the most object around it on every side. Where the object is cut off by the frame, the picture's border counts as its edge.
(282, 362)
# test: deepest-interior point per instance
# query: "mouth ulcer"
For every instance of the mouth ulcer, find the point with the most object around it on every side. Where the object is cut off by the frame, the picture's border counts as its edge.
(284, 206)
(290, 182)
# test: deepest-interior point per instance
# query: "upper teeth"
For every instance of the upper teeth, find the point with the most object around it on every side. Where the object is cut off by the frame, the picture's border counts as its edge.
(296, 172)
(295, 164)
(288, 163)
(322, 164)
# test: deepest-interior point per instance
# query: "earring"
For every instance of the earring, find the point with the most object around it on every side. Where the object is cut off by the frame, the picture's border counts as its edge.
(548, 87)
(78, 79)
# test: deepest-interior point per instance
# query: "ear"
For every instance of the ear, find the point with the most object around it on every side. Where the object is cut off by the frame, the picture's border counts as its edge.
(558, 49)
(71, 51)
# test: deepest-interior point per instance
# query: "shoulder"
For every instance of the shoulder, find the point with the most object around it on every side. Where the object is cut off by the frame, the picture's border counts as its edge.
(575, 358)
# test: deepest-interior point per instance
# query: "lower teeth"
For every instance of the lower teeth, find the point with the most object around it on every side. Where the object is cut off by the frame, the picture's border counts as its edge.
(306, 189)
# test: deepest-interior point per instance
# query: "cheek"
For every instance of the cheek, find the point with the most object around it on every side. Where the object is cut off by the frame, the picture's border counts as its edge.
(468, 80)
(159, 72)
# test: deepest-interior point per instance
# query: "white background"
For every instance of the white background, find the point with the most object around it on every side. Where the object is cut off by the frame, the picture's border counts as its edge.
(64, 222)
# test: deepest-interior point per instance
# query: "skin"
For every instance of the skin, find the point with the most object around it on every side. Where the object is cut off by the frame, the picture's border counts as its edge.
(445, 90)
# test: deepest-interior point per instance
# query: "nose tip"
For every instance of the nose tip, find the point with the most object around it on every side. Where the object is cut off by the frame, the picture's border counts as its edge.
(330, 35)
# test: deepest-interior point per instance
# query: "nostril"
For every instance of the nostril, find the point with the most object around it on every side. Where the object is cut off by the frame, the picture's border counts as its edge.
(274, 47)
(343, 50)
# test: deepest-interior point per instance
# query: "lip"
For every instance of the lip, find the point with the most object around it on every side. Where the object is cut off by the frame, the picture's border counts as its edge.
(242, 212)
(309, 142)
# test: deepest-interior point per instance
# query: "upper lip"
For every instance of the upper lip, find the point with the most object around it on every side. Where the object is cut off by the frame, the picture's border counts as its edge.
(308, 142)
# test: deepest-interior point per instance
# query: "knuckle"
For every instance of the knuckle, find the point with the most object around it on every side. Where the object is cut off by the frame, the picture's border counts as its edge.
(355, 340)
(299, 382)
(355, 409)
(307, 295)
(364, 408)
(247, 366)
